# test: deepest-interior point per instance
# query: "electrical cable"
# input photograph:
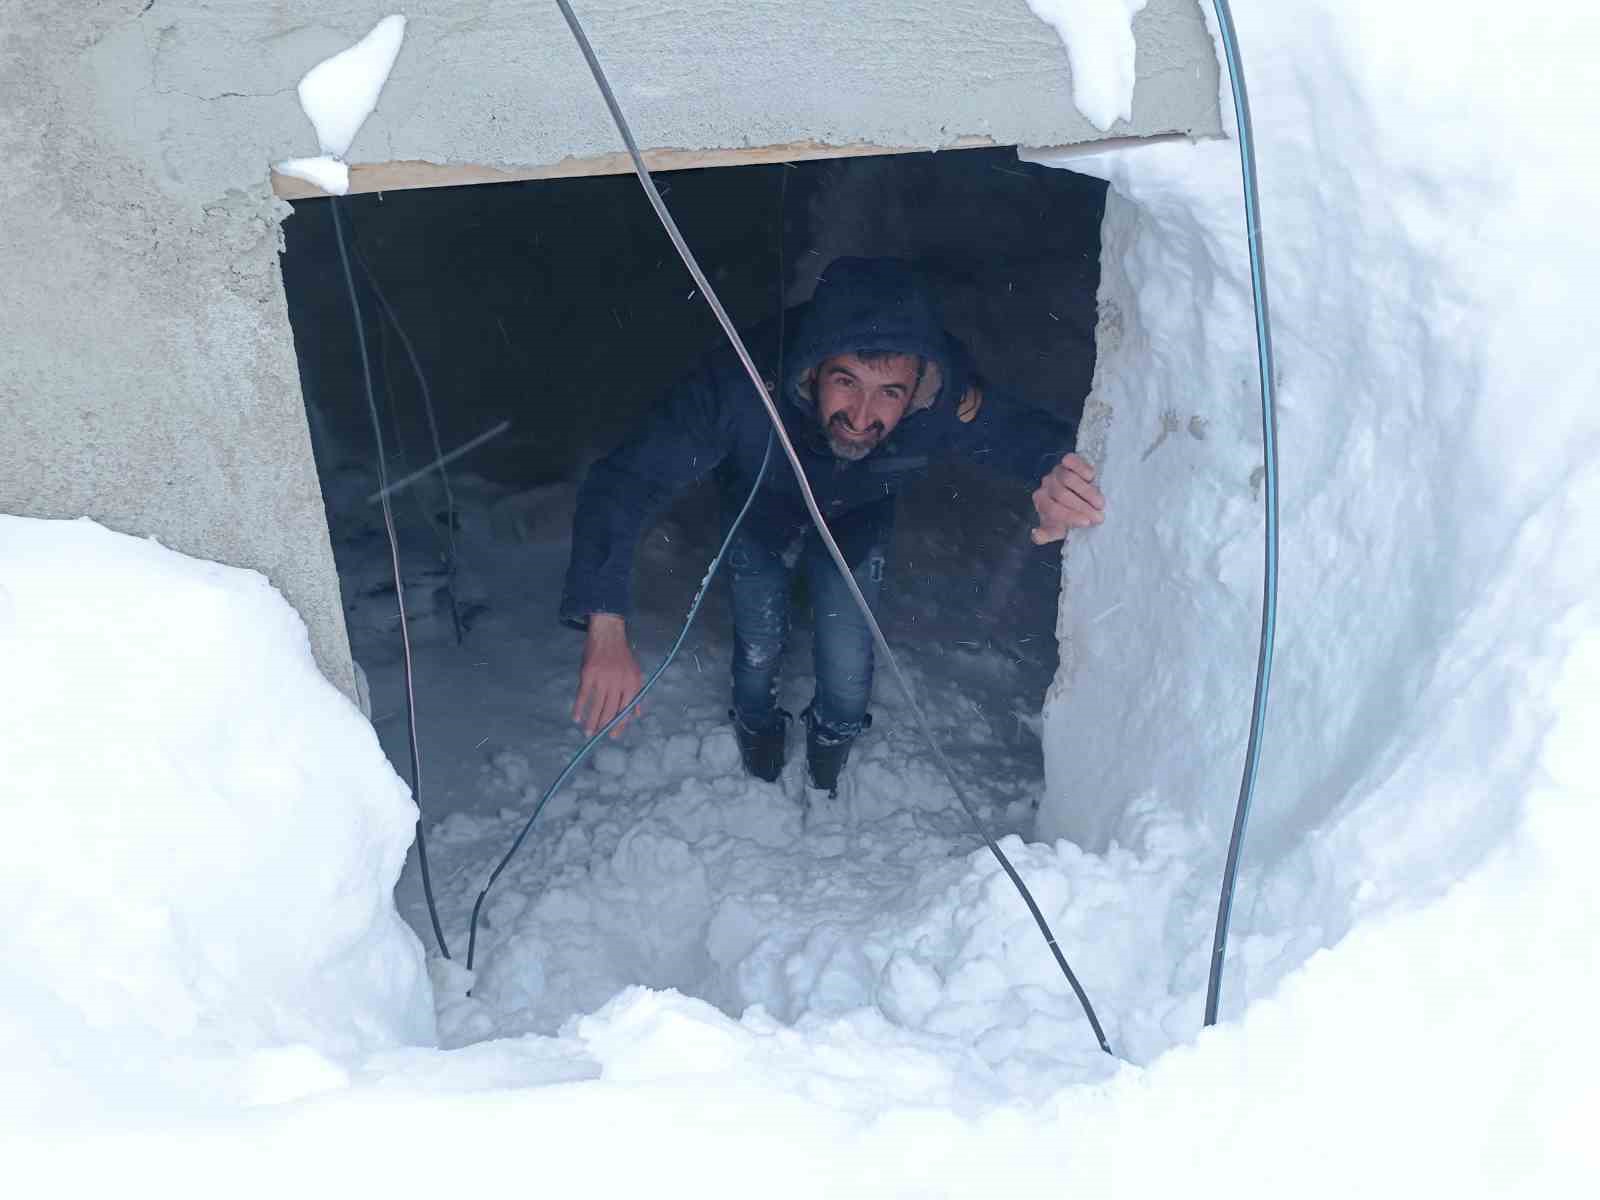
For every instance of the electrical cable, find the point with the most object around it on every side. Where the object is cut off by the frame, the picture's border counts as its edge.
(882, 643)
(694, 609)
(433, 429)
(622, 714)
(399, 581)
(1269, 438)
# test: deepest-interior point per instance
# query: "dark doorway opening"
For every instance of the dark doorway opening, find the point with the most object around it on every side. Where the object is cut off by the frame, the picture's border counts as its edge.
(560, 307)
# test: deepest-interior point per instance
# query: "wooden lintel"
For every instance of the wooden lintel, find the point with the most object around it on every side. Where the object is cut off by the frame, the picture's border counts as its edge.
(1101, 146)
(395, 176)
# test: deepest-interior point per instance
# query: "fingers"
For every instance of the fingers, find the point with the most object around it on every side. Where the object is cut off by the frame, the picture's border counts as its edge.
(587, 698)
(594, 706)
(1074, 477)
(1078, 465)
(601, 696)
(1067, 498)
(622, 702)
(1060, 509)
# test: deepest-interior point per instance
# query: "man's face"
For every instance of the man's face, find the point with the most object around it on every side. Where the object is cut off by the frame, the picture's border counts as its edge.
(860, 403)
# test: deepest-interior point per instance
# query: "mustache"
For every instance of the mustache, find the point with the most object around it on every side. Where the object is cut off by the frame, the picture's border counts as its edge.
(840, 421)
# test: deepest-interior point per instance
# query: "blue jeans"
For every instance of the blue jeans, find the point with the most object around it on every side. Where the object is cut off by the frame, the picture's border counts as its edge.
(762, 582)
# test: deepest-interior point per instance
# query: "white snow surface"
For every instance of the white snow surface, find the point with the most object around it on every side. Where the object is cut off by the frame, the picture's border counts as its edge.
(328, 173)
(201, 833)
(1437, 431)
(340, 92)
(683, 989)
(1098, 35)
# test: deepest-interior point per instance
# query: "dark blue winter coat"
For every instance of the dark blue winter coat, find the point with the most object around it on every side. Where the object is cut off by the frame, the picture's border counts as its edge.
(713, 420)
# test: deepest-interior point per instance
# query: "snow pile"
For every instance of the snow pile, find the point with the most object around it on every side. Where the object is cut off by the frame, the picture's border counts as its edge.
(665, 866)
(200, 833)
(338, 95)
(1431, 300)
(1100, 48)
(1411, 989)
(329, 174)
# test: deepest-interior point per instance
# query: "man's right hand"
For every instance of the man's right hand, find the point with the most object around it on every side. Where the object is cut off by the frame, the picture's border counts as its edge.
(609, 677)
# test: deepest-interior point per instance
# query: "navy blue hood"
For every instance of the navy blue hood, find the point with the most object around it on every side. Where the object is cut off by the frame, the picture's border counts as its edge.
(869, 305)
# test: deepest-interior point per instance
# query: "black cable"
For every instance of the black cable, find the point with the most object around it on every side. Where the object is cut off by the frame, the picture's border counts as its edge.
(399, 581)
(882, 643)
(1269, 438)
(433, 429)
(622, 715)
(694, 609)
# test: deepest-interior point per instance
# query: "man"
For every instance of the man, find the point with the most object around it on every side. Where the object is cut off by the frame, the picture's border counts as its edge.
(874, 390)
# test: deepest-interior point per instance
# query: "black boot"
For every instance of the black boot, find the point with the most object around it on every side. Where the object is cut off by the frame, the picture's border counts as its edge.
(762, 749)
(826, 754)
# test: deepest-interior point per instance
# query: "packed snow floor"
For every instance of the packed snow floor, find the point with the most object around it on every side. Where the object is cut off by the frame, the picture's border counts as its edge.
(661, 864)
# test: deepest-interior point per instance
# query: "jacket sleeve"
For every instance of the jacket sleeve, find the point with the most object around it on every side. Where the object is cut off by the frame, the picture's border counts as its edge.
(1004, 432)
(1010, 436)
(681, 440)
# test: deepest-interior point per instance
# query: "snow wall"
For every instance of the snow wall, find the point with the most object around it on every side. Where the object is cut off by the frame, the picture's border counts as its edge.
(1432, 291)
(203, 837)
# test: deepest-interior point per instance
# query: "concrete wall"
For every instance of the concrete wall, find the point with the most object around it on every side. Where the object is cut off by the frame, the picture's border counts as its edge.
(147, 374)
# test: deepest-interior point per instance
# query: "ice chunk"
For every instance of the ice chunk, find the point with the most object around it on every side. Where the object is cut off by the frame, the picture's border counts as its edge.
(329, 174)
(202, 833)
(339, 93)
(1099, 38)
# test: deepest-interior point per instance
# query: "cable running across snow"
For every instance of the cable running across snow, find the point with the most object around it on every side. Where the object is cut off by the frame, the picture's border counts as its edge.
(622, 715)
(399, 582)
(767, 401)
(1269, 440)
(688, 623)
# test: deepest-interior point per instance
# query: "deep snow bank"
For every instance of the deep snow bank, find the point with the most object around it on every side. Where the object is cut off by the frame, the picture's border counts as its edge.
(200, 833)
(1431, 766)
(1433, 300)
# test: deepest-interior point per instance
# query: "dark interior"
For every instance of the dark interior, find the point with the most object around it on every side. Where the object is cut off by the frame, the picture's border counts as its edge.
(560, 307)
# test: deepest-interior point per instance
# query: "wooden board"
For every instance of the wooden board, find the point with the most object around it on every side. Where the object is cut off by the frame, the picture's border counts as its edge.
(394, 176)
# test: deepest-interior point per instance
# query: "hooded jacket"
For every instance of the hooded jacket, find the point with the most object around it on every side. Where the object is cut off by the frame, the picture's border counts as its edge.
(711, 420)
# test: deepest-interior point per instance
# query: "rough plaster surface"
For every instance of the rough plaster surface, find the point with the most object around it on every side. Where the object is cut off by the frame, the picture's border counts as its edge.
(147, 374)
(482, 81)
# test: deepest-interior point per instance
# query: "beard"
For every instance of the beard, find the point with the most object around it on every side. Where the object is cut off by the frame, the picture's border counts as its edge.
(851, 449)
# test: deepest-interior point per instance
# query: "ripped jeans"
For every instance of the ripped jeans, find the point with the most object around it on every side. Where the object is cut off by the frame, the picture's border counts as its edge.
(762, 583)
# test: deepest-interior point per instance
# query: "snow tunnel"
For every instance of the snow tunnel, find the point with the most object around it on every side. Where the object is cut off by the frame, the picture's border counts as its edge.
(552, 314)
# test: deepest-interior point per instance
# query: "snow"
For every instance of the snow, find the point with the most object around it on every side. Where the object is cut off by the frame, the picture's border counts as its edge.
(1098, 35)
(661, 863)
(328, 173)
(339, 93)
(684, 987)
(1436, 541)
(337, 96)
(200, 831)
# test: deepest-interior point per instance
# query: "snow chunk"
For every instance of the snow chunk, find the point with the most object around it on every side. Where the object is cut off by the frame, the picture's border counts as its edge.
(202, 833)
(339, 93)
(329, 174)
(1098, 35)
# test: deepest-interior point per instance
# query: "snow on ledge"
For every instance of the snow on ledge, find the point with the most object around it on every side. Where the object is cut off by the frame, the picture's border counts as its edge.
(338, 95)
(1098, 35)
(327, 173)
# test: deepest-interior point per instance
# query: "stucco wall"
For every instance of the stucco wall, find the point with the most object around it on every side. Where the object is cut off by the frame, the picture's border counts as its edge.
(147, 374)
(147, 378)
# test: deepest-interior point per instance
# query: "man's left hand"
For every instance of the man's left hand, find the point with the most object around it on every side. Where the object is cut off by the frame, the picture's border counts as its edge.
(1067, 499)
